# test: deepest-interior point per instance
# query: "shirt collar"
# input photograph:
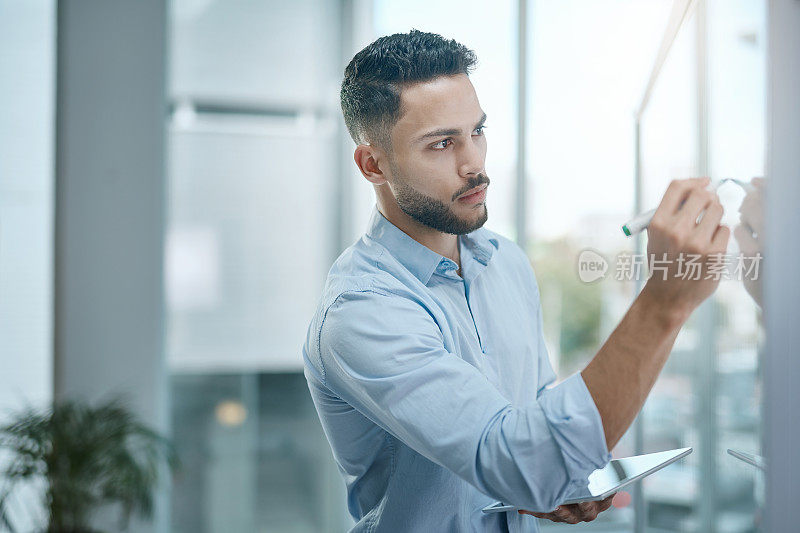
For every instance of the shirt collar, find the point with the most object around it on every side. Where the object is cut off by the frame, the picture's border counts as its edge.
(420, 260)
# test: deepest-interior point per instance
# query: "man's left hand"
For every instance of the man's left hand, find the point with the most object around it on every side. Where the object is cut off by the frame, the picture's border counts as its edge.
(575, 512)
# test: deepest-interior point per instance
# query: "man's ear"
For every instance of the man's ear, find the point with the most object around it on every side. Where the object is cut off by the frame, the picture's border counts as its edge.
(366, 157)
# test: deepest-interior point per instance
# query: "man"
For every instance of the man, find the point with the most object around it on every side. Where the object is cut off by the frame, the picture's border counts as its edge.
(426, 360)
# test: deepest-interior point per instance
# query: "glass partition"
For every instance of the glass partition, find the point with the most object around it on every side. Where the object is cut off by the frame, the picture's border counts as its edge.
(589, 64)
(706, 117)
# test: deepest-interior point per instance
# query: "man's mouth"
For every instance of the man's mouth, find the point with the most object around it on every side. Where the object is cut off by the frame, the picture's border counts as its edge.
(474, 195)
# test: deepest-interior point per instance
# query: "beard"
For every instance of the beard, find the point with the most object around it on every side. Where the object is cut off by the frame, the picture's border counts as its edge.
(432, 212)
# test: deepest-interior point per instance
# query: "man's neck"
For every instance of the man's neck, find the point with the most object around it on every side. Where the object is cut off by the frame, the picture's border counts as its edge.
(445, 244)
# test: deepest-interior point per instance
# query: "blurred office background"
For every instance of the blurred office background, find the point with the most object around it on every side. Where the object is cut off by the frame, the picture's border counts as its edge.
(593, 106)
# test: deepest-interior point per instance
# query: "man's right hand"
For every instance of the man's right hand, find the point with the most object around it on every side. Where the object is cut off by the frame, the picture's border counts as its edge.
(675, 237)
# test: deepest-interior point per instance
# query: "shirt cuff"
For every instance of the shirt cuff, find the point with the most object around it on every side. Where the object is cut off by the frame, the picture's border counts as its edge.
(576, 426)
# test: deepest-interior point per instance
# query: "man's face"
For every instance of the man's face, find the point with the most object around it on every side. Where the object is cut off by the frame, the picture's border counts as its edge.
(438, 155)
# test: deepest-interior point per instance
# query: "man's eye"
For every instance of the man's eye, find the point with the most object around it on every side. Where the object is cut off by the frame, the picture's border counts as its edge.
(479, 130)
(442, 144)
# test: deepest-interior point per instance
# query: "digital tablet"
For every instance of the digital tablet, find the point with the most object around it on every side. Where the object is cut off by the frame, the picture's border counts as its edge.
(755, 460)
(616, 474)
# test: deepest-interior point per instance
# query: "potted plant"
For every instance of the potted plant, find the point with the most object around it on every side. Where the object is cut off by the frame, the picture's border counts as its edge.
(88, 457)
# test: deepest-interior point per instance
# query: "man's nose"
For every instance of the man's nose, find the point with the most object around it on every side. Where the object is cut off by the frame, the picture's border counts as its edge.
(472, 158)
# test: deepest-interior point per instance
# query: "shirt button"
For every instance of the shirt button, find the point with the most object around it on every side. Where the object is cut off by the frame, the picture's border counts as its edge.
(447, 265)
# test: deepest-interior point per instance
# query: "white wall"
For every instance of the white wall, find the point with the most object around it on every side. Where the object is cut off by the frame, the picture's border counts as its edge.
(27, 76)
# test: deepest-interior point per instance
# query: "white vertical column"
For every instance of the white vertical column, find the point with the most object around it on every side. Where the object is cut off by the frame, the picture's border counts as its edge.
(27, 79)
(27, 93)
(109, 221)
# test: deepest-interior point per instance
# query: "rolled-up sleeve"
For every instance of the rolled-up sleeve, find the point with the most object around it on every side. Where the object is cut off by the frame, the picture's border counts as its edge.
(384, 354)
(576, 425)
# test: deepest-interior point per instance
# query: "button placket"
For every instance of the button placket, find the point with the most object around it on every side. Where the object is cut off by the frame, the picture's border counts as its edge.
(472, 315)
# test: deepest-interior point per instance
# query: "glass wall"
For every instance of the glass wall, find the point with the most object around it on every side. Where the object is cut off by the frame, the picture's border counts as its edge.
(588, 63)
(581, 190)
(677, 411)
(709, 121)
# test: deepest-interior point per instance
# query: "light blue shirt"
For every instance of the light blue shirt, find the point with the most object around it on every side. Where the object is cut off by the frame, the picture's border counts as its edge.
(432, 388)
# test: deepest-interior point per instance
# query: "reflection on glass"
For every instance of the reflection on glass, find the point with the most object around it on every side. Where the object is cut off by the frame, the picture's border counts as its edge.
(588, 63)
(581, 184)
(708, 395)
(749, 233)
(755, 460)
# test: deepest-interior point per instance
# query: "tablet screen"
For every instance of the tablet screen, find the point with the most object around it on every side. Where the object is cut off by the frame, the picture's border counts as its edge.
(615, 475)
(620, 472)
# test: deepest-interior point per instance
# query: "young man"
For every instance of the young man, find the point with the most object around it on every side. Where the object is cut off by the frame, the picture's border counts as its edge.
(426, 360)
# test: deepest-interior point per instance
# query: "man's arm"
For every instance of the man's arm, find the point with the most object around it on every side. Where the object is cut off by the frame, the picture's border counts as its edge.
(623, 372)
(621, 375)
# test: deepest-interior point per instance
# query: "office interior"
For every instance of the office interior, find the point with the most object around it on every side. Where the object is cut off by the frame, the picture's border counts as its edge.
(176, 180)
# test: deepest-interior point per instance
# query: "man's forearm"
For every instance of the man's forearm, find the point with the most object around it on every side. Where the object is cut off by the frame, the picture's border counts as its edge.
(620, 376)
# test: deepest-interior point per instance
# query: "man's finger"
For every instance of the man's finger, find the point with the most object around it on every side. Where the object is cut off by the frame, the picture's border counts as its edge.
(544, 516)
(697, 201)
(589, 511)
(568, 513)
(747, 244)
(751, 212)
(677, 192)
(720, 239)
(603, 505)
(710, 222)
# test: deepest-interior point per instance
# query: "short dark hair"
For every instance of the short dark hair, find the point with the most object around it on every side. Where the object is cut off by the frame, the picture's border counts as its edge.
(370, 95)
